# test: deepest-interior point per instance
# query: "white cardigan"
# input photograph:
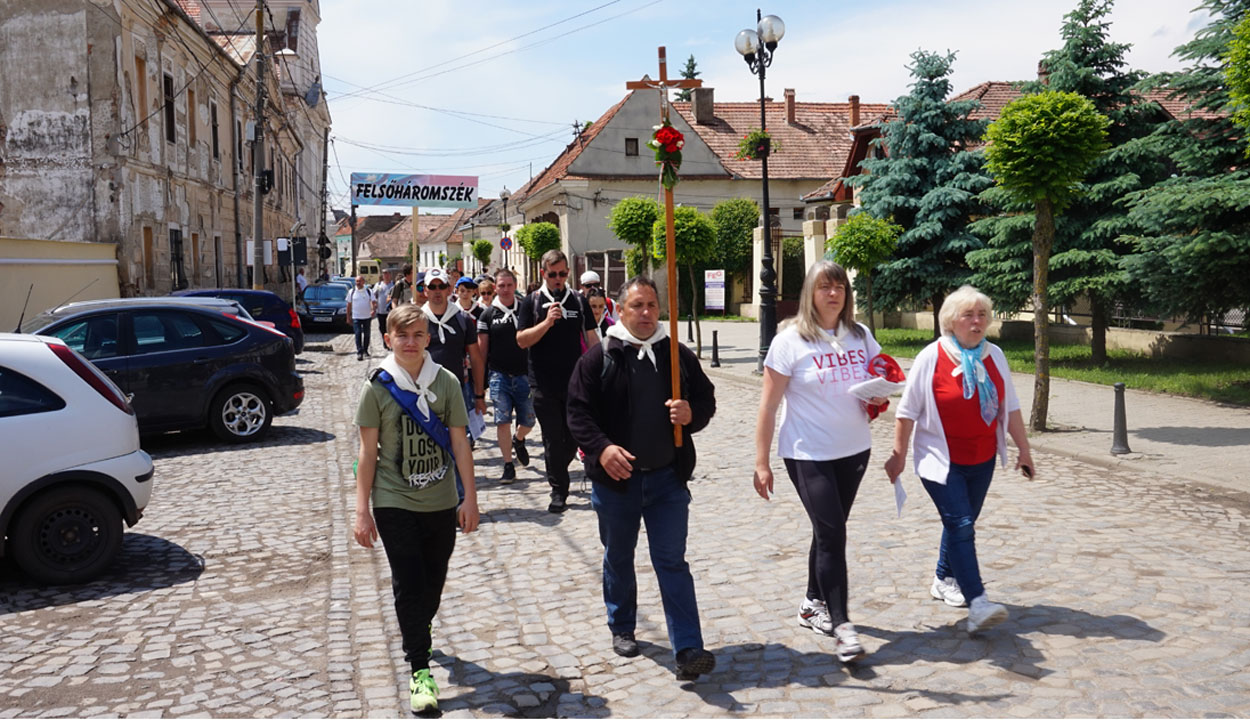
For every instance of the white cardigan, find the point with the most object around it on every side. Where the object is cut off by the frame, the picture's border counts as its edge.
(930, 454)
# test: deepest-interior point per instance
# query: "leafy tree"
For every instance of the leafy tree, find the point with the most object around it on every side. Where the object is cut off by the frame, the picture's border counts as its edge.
(1089, 245)
(690, 72)
(861, 244)
(1040, 148)
(735, 220)
(537, 238)
(1194, 243)
(928, 184)
(1237, 72)
(482, 250)
(631, 220)
(694, 239)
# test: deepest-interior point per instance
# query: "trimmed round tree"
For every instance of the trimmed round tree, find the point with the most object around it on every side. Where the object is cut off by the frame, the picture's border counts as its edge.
(537, 238)
(861, 244)
(1040, 148)
(482, 250)
(736, 220)
(631, 221)
(694, 238)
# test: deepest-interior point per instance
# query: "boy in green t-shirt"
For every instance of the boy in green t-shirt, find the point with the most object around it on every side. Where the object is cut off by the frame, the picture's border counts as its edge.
(410, 480)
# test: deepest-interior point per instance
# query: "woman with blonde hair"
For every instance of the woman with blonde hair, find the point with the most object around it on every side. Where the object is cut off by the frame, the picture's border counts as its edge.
(824, 438)
(961, 405)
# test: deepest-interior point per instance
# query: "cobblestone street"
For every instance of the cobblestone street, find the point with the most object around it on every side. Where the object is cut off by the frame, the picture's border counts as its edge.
(240, 593)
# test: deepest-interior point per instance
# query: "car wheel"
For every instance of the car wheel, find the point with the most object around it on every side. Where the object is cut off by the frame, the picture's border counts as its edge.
(240, 413)
(67, 534)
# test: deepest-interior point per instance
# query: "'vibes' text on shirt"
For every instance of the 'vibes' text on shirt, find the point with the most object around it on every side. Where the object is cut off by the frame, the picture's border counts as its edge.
(848, 367)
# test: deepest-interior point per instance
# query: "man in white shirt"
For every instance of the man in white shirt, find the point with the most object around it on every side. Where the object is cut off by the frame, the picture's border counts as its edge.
(300, 280)
(382, 296)
(361, 307)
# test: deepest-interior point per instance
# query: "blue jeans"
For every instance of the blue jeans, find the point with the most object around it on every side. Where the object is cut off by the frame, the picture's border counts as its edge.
(362, 334)
(959, 503)
(661, 500)
(508, 393)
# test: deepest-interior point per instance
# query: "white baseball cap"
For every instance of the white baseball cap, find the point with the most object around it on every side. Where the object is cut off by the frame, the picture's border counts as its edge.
(590, 276)
(436, 274)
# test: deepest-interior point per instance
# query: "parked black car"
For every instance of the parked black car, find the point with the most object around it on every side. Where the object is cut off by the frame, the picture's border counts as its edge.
(261, 305)
(324, 306)
(185, 362)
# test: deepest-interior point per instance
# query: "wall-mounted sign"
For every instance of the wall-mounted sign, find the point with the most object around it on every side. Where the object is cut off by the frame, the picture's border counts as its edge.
(447, 191)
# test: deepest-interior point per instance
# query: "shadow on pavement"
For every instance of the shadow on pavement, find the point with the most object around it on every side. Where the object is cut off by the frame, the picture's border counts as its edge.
(538, 516)
(195, 442)
(753, 665)
(517, 694)
(146, 562)
(1201, 436)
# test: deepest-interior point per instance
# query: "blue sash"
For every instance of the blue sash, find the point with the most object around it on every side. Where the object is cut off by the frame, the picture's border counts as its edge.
(433, 427)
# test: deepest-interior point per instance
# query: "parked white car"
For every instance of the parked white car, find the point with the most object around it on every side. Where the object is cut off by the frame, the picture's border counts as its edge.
(72, 467)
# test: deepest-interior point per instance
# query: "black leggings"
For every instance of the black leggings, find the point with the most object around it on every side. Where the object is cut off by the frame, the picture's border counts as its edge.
(827, 489)
(559, 447)
(418, 547)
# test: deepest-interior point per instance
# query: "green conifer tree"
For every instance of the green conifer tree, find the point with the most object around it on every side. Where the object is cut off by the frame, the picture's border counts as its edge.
(928, 184)
(690, 72)
(1089, 237)
(1194, 247)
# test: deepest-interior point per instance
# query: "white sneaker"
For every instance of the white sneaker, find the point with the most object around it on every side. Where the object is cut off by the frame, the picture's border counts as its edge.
(848, 647)
(983, 614)
(947, 590)
(814, 614)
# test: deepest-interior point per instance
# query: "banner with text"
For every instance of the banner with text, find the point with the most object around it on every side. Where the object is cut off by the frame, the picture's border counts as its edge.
(713, 289)
(441, 191)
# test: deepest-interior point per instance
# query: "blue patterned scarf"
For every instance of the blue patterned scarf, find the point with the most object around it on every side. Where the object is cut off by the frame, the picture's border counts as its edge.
(976, 379)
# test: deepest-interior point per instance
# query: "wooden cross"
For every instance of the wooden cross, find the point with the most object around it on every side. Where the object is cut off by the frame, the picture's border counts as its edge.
(664, 85)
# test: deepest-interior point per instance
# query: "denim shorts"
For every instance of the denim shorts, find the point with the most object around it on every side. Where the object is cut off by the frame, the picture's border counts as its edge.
(510, 392)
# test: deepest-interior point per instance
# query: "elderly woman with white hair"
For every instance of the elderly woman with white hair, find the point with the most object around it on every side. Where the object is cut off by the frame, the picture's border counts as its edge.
(961, 405)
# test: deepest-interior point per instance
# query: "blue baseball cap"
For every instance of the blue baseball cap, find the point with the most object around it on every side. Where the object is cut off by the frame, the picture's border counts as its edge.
(466, 280)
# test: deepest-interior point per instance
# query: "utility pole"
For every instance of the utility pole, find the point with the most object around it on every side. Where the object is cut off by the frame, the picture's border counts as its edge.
(325, 170)
(258, 157)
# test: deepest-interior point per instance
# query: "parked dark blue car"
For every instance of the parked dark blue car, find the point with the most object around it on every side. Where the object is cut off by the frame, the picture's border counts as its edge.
(185, 362)
(261, 305)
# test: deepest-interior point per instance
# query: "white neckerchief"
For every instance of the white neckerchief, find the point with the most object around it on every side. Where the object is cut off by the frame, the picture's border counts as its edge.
(453, 309)
(619, 332)
(951, 347)
(509, 313)
(836, 337)
(420, 386)
(547, 293)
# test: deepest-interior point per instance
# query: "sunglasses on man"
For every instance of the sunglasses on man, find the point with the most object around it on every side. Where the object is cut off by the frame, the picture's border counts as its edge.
(437, 287)
(553, 274)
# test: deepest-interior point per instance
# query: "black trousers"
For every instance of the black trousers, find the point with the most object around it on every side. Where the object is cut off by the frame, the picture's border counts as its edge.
(827, 489)
(418, 547)
(559, 448)
(382, 327)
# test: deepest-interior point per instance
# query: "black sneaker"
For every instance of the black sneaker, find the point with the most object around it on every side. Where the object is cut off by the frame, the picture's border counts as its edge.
(509, 474)
(558, 504)
(625, 645)
(522, 455)
(693, 662)
(360, 356)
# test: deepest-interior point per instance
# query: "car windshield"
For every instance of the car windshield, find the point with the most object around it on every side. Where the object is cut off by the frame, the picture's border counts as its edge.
(324, 293)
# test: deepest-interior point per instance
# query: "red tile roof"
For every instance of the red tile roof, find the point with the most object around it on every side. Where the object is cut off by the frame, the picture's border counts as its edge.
(815, 146)
(559, 168)
(393, 242)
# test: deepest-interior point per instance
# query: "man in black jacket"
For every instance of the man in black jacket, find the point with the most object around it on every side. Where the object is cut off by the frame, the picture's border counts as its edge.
(621, 414)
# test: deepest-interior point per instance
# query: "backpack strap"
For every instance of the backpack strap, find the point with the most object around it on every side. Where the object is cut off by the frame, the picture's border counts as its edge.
(432, 426)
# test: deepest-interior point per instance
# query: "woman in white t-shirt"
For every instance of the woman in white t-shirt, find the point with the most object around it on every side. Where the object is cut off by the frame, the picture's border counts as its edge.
(824, 438)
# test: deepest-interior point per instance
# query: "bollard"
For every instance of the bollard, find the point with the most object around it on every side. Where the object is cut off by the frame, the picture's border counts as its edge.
(690, 328)
(715, 350)
(1119, 436)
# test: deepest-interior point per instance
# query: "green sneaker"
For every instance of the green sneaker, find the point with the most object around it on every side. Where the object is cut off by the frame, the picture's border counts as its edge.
(424, 691)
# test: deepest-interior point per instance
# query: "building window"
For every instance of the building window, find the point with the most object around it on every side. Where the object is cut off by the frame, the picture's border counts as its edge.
(631, 147)
(212, 119)
(195, 255)
(177, 275)
(141, 90)
(191, 134)
(170, 134)
(798, 213)
(149, 260)
(238, 143)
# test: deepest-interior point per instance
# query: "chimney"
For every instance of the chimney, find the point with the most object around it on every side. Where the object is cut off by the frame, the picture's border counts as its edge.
(702, 106)
(854, 101)
(1043, 73)
(790, 106)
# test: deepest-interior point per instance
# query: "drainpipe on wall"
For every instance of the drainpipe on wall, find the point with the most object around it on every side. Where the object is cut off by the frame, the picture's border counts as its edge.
(234, 181)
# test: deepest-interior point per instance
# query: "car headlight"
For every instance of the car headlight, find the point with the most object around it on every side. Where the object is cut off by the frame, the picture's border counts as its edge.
(342, 311)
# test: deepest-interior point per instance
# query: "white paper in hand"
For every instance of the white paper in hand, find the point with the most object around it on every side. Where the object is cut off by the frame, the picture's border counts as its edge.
(477, 424)
(900, 495)
(875, 387)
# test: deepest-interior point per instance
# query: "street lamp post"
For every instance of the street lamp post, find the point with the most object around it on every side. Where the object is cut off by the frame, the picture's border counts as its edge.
(504, 195)
(757, 47)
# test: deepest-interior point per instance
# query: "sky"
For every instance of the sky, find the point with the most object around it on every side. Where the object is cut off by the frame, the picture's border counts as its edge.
(492, 88)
